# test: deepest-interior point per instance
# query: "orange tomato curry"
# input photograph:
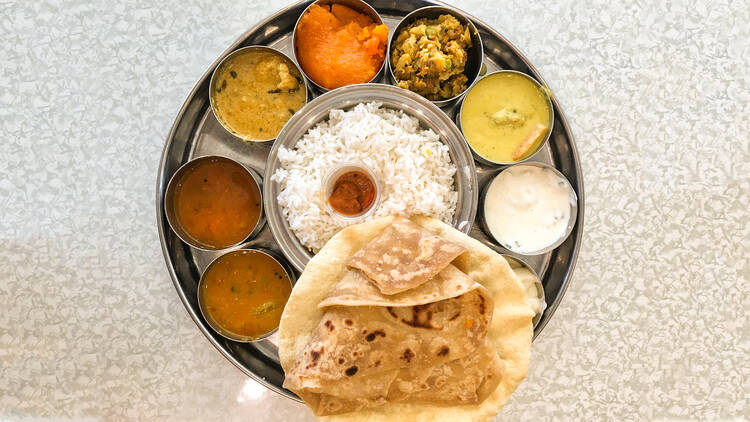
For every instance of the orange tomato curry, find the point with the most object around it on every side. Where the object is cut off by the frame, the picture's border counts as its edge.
(217, 203)
(245, 292)
(339, 46)
(353, 193)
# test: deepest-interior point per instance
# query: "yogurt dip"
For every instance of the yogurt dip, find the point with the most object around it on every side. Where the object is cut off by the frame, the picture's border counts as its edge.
(527, 208)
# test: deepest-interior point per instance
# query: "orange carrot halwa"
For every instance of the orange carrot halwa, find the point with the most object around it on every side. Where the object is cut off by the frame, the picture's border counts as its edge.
(338, 46)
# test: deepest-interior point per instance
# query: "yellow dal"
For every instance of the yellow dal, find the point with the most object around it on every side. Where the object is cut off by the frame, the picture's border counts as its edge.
(255, 93)
(518, 96)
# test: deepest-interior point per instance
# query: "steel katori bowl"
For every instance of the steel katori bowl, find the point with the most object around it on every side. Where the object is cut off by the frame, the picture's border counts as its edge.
(535, 291)
(572, 203)
(475, 53)
(238, 53)
(550, 110)
(171, 213)
(356, 5)
(204, 309)
(317, 110)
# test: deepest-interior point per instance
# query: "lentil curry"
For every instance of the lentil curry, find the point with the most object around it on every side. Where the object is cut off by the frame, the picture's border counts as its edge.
(245, 291)
(255, 93)
(217, 202)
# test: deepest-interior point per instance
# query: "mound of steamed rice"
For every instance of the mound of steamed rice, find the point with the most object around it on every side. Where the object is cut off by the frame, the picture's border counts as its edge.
(413, 168)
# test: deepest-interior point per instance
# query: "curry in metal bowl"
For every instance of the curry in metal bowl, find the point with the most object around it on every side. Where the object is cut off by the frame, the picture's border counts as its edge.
(242, 294)
(213, 202)
(506, 117)
(254, 91)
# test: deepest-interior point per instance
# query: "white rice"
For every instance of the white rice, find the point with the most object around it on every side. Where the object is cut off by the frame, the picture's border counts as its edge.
(413, 168)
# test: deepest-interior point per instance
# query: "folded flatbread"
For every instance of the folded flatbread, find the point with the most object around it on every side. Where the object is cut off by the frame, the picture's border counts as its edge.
(404, 256)
(456, 344)
(355, 289)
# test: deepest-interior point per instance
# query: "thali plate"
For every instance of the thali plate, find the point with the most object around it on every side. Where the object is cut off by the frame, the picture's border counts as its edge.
(196, 133)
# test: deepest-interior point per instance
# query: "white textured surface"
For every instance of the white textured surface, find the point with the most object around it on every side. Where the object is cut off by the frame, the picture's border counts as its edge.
(653, 327)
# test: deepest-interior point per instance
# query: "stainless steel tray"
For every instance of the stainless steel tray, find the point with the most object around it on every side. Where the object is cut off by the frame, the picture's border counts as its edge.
(196, 132)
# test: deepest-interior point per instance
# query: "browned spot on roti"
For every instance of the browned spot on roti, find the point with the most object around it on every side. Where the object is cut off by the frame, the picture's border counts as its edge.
(390, 311)
(443, 351)
(330, 325)
(455, 316)
(408, 355)
(372, 335)
(315, 355)
(341, 360)
(421, 317)
(351, 371)
(481, 305)
(348, 322)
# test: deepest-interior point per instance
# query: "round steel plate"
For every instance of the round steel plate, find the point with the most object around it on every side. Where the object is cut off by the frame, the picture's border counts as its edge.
(196, 132)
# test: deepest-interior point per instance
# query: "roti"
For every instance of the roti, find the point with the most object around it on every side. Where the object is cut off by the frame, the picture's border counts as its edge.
(404, 256)
(508, 334)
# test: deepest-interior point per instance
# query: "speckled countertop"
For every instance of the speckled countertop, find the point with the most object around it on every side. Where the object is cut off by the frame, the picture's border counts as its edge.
(653, 327)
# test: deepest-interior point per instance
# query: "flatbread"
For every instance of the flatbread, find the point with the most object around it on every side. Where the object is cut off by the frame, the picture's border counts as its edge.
(404, 256)
(422, 344)
(356, 289)
(363, 338)
(509, 334)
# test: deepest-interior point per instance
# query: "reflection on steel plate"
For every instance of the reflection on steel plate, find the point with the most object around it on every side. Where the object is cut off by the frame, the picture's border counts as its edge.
(250, 391)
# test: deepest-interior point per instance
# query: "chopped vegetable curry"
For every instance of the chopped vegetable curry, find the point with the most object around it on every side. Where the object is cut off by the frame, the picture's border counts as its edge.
(429, 57)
